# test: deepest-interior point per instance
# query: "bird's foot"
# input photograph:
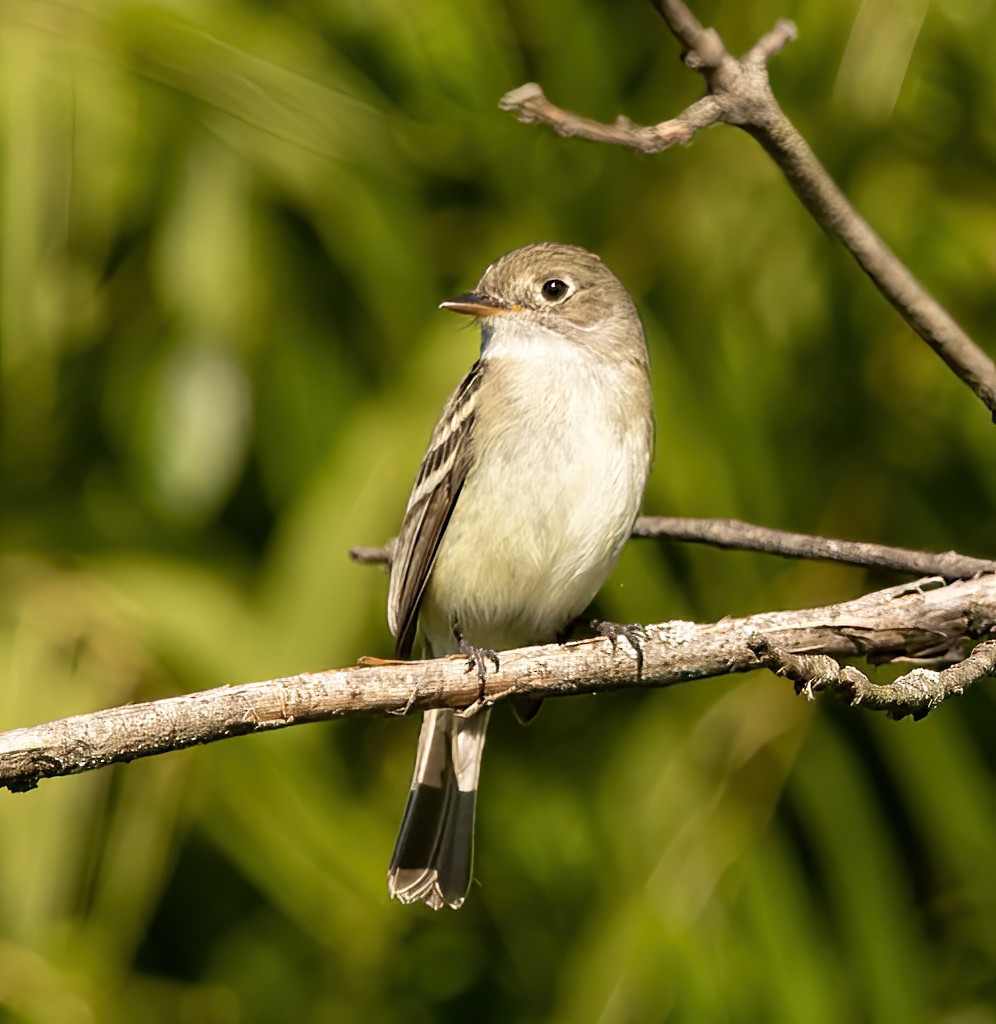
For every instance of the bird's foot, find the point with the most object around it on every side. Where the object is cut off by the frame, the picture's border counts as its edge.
(634, 633)
(477, 661)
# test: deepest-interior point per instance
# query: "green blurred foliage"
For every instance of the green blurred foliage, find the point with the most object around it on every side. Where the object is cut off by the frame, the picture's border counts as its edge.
(224, 227)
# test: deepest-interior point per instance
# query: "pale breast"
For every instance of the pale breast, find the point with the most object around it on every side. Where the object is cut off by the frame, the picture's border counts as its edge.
(556, 485)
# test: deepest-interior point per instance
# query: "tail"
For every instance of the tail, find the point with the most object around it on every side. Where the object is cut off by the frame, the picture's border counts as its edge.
(434, 855)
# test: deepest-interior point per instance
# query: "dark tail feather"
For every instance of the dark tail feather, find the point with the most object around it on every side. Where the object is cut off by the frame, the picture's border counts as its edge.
(433, 857)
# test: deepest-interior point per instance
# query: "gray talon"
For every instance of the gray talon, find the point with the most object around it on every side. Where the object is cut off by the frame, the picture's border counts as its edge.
(477, 659)
(634, 633)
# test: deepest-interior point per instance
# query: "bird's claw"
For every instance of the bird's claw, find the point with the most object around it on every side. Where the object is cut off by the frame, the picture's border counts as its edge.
(477, 659)
(634, 633)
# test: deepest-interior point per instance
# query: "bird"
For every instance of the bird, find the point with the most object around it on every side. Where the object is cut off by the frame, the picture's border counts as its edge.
(530, 485)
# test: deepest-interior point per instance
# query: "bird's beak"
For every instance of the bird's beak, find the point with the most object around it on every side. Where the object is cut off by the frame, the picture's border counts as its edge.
(476, 304)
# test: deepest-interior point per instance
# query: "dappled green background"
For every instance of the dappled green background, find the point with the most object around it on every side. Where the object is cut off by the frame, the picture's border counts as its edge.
(224, 227)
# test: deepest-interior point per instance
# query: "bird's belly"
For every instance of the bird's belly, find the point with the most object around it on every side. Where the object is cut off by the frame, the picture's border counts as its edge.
(533, 537)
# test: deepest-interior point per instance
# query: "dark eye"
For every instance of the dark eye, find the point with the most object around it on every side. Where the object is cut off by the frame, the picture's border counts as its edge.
(554, 289)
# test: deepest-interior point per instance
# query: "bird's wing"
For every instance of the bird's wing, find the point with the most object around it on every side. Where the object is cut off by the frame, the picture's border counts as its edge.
(430, 506)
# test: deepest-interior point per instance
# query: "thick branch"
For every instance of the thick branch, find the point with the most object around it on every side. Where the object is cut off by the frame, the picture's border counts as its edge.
(738, 93)
(927, 619)
(733, 533)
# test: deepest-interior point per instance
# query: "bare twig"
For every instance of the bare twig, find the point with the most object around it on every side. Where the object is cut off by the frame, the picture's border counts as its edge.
(738, 93)
(529, 104)
(916, 693)
(373, 555)
(771, 43)
(733, 533)
(923, 619)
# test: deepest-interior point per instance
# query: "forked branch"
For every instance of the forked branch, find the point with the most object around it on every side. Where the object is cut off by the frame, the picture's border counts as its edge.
(738, 93)
(928, 619)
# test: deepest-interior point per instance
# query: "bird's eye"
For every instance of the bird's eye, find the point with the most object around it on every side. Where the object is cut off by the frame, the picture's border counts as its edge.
(554, 289)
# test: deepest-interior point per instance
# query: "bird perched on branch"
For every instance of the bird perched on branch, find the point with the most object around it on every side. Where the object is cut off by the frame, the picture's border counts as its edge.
(533, 477)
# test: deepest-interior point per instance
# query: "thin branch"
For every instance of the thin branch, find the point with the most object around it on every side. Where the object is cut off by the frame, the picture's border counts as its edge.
(925, 619)
(738, 93)
(383, 555)
(529, 104)
(916, 693)
(733, 533)
(689, 31)
(772, 43)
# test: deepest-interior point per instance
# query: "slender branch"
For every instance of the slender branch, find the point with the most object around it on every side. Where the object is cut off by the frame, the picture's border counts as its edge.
(916, 693)
(383, 555)
(688, 30)
(772, 43)
(738, 93)
(924, 619)
(732, 533)
(529, 104)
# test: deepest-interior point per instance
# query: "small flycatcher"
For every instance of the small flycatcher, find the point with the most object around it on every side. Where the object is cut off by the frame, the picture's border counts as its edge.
(533, 478)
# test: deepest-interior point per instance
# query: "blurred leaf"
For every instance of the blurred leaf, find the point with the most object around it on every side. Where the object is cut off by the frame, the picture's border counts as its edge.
(225, 230)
